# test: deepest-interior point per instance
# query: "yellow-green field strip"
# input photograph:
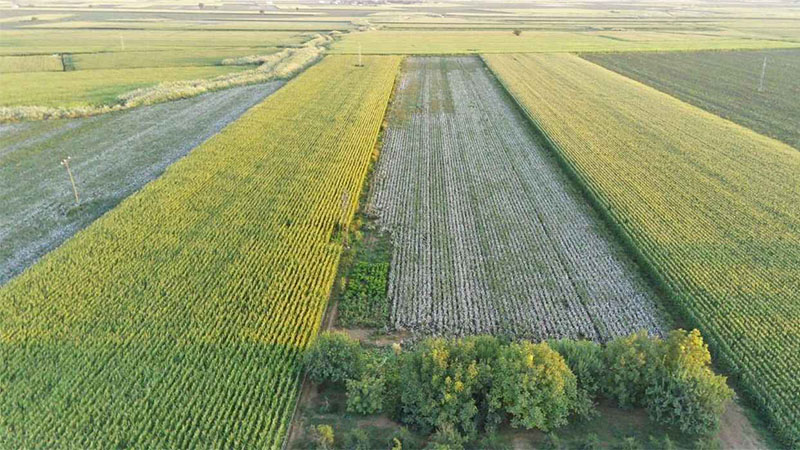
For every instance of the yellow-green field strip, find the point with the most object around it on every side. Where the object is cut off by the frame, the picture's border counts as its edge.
(177, 319)
(710, 207)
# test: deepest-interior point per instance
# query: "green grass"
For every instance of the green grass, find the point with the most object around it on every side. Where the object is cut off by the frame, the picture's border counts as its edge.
(432, 42)
(724, 83)
(92, 87)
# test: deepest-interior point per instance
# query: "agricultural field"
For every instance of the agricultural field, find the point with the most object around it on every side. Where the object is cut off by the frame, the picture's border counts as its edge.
(407, 176)
(31, 63)
(93, 87)
(177, 319)
(472, 41)
(35, 193)
(488, 234)
(727, 84)
(710, 206)
(68, 69)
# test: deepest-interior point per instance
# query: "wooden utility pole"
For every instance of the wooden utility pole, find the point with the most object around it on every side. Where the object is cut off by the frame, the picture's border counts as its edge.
(763, 70)
(65, 163)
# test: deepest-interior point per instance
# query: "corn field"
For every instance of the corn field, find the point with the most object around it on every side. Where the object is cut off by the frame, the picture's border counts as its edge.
(711, 206)
(489, 235)
(177, 319)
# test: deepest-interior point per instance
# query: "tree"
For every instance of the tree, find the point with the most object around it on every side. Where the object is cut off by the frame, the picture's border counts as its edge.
(334, 357)
(533, 385)
(517, 32)
(440, 386)
(687, 393)
(631, 366)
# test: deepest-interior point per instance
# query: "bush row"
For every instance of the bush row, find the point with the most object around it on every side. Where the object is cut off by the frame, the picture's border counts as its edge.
(463, 387)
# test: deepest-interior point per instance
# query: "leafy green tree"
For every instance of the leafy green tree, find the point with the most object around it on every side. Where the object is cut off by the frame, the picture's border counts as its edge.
(533, 385)
(334, 357)
(440, 383)
(687, 393)
(632, 363)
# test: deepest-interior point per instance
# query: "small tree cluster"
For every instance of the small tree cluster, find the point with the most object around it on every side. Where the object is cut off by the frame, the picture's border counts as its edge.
(456, 388)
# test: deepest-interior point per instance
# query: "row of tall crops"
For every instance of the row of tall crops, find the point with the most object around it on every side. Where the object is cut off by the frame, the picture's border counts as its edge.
(177, 319)
(711, 207)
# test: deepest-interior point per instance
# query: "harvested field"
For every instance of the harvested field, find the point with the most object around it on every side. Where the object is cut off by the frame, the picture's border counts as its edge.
(36, 199)
(489, 235)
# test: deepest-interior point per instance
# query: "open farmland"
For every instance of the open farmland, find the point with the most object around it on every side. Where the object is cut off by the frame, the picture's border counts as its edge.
(489, 236)
(711, 206)
(727, 84)
(36, 198)
(477, 41)
(177, 319)
(92, 87)
(31, 63)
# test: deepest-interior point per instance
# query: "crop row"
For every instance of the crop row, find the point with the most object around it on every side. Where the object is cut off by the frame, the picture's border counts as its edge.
(489, 236)
(177, 319)
(710, 206)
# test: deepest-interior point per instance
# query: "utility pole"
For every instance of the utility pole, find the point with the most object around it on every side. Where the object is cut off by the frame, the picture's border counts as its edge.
(763, 70)
(65, 163)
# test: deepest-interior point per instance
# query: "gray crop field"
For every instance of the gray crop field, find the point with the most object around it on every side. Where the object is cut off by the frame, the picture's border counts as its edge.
(112, 156)
(489, 235)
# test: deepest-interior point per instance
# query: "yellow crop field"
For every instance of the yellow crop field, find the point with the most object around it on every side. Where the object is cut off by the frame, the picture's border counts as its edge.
(177, 320)
(712, 208)
(31, 63)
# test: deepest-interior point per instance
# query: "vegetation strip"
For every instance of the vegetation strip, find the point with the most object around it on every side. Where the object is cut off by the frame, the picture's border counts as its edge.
(488, 235)
(708, 205)
(178, 319)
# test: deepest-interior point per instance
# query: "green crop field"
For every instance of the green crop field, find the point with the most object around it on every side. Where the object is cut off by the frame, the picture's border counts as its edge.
(92, 87)
(711, 206)
(728, 84)
(176, 320)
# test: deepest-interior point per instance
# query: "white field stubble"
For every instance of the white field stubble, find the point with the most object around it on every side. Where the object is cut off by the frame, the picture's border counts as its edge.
(489, 234)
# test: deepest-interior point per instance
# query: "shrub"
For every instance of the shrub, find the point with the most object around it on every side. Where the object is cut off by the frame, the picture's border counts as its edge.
(590, 442)
(357, 439)
(334, 357)
(533, 385)
(629, 443)
(365, 395)
(446, 437)
(552, 442)
(323, 437)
